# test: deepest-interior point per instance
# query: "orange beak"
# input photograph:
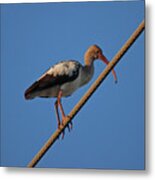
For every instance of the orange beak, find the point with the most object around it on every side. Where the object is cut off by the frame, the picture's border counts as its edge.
(104, 59)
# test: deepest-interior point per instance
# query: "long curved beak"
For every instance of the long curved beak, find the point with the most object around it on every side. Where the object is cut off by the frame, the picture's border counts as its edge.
(104, 59)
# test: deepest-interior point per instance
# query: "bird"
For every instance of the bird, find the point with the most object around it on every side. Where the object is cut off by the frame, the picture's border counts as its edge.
(64, 78)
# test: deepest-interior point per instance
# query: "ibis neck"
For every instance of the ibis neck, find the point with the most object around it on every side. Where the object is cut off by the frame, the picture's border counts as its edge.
(87, 73)
(88, 60)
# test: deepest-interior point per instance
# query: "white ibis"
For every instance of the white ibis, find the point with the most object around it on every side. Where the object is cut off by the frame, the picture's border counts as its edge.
(62, 79)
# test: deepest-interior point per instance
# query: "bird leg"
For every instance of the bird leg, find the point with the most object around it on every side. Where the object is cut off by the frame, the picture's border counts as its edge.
(70, 126)
(61, 107)
(58, 117)
(57, 113)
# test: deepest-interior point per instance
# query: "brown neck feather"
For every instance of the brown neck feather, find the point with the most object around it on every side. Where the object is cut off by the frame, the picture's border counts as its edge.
(88, 61)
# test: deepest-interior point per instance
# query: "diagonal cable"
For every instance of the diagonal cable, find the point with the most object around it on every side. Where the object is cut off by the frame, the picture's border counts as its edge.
(88, 94)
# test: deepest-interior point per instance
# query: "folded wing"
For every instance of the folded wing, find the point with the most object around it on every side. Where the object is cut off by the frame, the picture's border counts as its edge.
(57, 75)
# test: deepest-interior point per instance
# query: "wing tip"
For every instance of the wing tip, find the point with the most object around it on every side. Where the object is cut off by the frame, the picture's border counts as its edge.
(29, 93)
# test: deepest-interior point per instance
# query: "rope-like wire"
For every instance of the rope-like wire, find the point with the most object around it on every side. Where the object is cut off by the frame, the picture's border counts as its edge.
(87, 95)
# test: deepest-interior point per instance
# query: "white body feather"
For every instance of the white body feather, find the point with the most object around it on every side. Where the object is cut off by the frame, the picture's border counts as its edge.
(65, 68)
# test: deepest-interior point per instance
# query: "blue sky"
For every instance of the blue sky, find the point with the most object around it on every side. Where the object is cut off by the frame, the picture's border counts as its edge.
(108, 132)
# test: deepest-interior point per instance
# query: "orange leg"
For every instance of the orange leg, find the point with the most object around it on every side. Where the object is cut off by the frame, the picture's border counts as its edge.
(62, 110)
(61, 107)
(57, 113)
(58, 117)
(70, 126)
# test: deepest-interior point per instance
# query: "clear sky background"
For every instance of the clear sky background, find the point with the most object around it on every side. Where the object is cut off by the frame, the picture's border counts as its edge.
(108, 132)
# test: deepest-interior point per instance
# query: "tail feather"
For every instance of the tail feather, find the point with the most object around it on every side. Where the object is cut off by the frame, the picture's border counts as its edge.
(29, 93)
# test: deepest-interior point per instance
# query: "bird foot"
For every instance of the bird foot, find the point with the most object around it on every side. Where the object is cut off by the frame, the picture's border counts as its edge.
(60, 125)
(64, 118)
(69, 126)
